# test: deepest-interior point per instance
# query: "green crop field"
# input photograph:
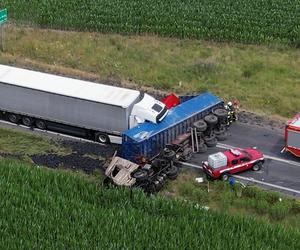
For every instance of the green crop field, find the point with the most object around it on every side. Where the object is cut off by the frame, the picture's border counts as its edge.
(244, 21)
(55, 210)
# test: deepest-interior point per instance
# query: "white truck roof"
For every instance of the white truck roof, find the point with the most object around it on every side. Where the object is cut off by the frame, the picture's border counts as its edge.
(296, 122)
(68, 86)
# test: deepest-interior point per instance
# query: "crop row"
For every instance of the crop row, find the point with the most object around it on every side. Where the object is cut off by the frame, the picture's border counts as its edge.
(57, 210)
(256, 21)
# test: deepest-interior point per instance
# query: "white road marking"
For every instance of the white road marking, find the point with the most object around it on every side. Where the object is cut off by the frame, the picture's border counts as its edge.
(294, 163)
(267, 184)
(248, 179)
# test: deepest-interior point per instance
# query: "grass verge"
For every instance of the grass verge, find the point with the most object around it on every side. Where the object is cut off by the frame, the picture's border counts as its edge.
(18, 143)
(264, 79)
(250, 201)
(47, 209)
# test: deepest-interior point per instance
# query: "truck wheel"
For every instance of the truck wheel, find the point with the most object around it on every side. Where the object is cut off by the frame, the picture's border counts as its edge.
(151, 188)
(222, 137)
(187, 154)
(257, 166)
(140, 175)
(221, 113)
(40, 124)
(13, 118)
(107, 182)
(102, 138)
(158, 185)
(211, 120)
(200, 125)
(27, 121)
(225, 177)
(172, 172)
(168, 154)
(208, 177)
(210, 141)
(202, 148)
(220, 130)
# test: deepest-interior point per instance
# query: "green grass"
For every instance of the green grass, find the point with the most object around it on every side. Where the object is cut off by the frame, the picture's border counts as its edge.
(268, 206)
(244, 21)
(55, 210)
(264, 79)
(19, 143)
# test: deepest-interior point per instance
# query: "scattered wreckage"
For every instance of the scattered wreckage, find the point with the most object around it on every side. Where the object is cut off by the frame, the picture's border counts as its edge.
(150, 176)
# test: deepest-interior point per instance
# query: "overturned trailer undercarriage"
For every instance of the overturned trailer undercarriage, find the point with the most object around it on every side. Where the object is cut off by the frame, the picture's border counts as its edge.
(150, 176)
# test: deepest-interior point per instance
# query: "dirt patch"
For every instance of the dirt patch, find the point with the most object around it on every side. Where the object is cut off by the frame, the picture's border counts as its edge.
(260, 120)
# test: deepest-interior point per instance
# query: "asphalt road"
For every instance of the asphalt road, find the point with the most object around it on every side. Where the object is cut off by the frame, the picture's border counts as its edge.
(282, 169)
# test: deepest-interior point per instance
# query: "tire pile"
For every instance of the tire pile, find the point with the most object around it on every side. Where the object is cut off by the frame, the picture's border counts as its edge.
(152, 178)
(211, 129)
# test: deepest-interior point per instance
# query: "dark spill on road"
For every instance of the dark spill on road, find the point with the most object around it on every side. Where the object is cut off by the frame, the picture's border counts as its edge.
(85, 156)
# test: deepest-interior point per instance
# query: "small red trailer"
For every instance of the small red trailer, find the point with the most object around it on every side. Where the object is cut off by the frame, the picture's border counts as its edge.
(292, 136)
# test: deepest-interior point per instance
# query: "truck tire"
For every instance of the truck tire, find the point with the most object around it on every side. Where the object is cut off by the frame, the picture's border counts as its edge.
(151, 188)
(140, 175)
(40, 124)
(220, 130)
(211, 120)
(158, 185)
(257, 166)
(210, 141)
(222, 137)
(102, 138)
(187, 154)
(107, 182)
(168, 154)
(200, 125)
(27, 121)
(221, 113)
(172, 172)
(202, 148)
(13, 118)
(225, 176)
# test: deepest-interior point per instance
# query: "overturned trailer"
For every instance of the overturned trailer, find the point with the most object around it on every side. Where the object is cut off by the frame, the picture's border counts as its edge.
(147, 140)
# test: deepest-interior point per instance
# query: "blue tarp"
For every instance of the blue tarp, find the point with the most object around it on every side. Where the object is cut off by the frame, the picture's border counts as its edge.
(176, 115)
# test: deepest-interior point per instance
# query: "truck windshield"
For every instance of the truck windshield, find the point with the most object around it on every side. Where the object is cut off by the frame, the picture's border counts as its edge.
(157, 108)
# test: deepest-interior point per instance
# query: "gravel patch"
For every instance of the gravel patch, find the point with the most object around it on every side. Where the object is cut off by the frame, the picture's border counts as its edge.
(260, 120)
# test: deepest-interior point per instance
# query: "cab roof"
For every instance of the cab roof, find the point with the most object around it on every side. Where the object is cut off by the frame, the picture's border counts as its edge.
(295, 122)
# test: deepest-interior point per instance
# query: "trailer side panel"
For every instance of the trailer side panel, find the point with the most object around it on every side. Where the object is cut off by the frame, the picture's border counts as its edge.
(63, 109)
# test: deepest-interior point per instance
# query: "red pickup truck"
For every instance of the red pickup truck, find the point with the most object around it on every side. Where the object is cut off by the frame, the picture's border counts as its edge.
(221, 165)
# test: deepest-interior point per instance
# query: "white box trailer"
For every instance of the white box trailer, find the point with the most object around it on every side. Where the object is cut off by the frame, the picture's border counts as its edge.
(85, 108)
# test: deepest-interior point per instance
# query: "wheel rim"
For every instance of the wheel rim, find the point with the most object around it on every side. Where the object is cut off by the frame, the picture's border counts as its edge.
(26, 121)
(12, 118)
(102, 138)
(139, 174)
(255, 167)
(40, 125)
(225, 177)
